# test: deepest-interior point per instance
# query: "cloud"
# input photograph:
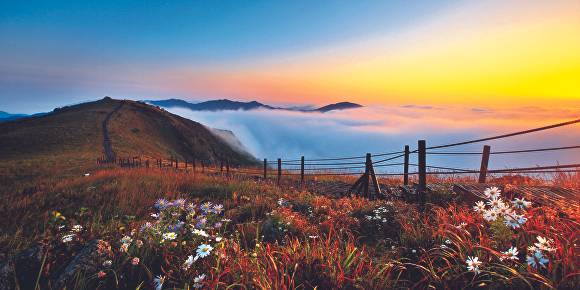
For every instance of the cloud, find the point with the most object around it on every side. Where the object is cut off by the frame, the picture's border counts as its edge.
(418, 107)
(480, 110)
(289, 135)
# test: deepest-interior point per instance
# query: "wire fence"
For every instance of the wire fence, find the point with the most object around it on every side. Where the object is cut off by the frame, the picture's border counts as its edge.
(364, 165)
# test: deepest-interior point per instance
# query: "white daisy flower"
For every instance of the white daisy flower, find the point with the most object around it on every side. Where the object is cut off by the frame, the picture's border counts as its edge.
(490, 215)
(496, 203)
(521, 203)
(479, 206)
(200, 233)
(203, 250)
(473, 264)
(187, 264)
(512, 253)
(492, 193)
(544, 244)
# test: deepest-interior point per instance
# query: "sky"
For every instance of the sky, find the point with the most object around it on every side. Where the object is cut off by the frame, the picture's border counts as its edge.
(485, 55)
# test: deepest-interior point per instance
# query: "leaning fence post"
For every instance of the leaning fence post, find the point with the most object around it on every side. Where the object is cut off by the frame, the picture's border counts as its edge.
(422, 162)
(265, 168)
(373, 176)
(302, 170)
(279, 170)
(484, 163)
(406, 167)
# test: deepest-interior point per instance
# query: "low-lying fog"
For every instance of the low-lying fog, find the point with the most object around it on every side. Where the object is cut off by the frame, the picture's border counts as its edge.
(289, 135)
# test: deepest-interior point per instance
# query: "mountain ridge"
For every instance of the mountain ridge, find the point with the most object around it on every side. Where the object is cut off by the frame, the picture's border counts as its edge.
(229, 105)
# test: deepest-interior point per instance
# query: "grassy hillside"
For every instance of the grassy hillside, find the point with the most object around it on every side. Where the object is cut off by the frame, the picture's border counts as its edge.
(135, 228)
(68, 141)
(139, 129)
(63, 143)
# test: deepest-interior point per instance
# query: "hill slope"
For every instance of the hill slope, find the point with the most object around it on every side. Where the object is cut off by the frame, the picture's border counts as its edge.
(72, 138)
(141, 129)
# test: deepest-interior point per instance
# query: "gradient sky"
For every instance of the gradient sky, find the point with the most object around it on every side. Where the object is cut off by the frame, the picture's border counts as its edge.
(480, 54)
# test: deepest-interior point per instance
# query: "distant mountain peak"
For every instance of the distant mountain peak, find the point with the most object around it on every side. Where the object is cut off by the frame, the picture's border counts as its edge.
(230, 105)
(339, 106)
(212, 105)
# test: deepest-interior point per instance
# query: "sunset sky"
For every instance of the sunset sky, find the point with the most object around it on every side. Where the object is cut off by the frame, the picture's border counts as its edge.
(477, 54)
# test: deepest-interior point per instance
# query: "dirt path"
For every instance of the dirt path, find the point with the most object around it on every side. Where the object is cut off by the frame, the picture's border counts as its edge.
(107, 147)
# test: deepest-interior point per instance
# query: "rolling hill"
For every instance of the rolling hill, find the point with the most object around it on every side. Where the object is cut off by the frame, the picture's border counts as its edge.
(214, 105)
(72, 137)
(229, 105)
(5, 116)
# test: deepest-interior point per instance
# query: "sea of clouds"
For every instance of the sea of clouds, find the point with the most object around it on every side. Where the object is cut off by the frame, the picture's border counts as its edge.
(283, 134)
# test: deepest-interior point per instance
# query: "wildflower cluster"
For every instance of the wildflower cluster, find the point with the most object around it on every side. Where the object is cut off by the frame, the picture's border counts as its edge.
(537, 254)
(379, 223)
(380, 214)
(181, 221)
(512, 215)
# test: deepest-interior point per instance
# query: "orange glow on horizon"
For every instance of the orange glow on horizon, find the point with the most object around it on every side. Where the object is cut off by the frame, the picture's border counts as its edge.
(497, 59)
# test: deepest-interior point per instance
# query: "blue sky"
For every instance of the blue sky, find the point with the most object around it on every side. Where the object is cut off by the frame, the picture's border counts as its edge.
(59, 52)
(431, 53)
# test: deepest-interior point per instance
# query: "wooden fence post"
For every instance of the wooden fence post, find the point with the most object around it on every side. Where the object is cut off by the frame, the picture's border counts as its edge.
(265, 168)
(406, 166)
(373, 176)
(279, 170)
(221, 166)
(484, 163)
(366, 176)
(302, 170)
(228, 167)
(193, 165)
(422, 162)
